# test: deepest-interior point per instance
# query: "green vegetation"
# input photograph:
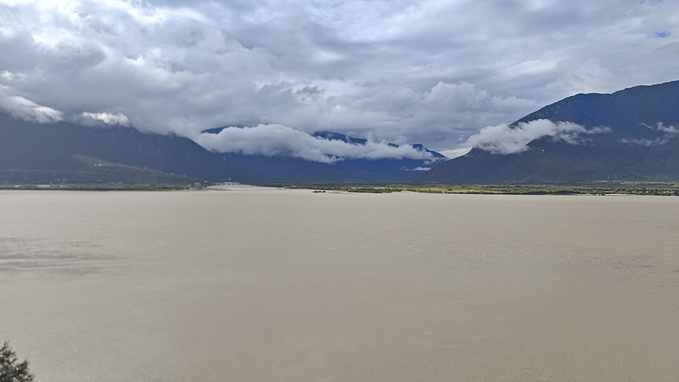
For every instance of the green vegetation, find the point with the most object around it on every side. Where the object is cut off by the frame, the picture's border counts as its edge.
(11, 370)
(620, 188)
(604, 188)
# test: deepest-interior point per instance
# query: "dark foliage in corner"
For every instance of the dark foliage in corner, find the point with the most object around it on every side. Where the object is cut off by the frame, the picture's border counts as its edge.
(11, 370)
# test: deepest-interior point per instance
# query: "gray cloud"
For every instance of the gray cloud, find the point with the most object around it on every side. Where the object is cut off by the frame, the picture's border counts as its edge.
(431, 72)
(504, 139)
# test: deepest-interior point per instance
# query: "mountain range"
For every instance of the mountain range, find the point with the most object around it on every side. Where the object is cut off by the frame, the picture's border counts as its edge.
(65, 152)
(632, 134)
(281, 168)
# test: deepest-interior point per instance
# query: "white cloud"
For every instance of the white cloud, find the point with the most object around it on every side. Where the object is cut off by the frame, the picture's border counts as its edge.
(505, 139)
(25, 109)
(108, 118)
(645, 141)
(667, 133)
(450, 154)
(9, 76)
(279, 140)
(671, 130)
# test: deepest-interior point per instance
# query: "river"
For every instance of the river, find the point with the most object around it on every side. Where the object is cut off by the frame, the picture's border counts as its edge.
(256, 284)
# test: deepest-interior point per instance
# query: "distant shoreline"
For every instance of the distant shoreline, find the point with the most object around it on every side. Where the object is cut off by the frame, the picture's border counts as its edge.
(631, 188)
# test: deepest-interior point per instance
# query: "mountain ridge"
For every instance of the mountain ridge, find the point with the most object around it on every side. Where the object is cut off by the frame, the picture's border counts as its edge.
(642, 143)
(280, 168)
(33, 152)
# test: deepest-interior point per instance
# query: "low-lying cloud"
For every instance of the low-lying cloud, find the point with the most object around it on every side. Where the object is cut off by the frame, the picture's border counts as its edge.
(667, 133)
(505, 139)
(108, 118)
(27, 110)
(662, 128)
(280, 140)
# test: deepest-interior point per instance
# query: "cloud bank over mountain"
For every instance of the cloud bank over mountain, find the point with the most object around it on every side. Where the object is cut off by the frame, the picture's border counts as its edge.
(279, 140)
(25, 109)
(505, 139)
(432, 72)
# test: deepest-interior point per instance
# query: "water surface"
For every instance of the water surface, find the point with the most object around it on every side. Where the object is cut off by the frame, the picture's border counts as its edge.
(261, 284)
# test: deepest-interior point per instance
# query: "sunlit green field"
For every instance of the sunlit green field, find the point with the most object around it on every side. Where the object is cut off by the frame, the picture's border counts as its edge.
(629, 188)
(669, 189)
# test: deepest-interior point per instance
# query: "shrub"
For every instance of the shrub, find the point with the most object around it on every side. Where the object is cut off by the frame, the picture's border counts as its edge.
(11, 370)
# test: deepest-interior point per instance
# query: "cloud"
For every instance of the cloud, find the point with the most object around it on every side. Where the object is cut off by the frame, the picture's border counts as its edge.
(23, 108)
(432, 72)
(667, 133)
(108, 118)
(505, 139)
(27, 110)
(9, 76)
(279, 140)
(662, 128)
(450, 154)
(645, 141)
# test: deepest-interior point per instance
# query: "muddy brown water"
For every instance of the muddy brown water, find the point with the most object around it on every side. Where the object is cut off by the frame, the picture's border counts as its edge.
(250, 284)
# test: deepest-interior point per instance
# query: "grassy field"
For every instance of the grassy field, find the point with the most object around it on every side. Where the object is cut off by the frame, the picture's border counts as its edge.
(631, 188)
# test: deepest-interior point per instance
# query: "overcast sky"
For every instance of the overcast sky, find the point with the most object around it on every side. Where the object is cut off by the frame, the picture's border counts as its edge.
(430, 71)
